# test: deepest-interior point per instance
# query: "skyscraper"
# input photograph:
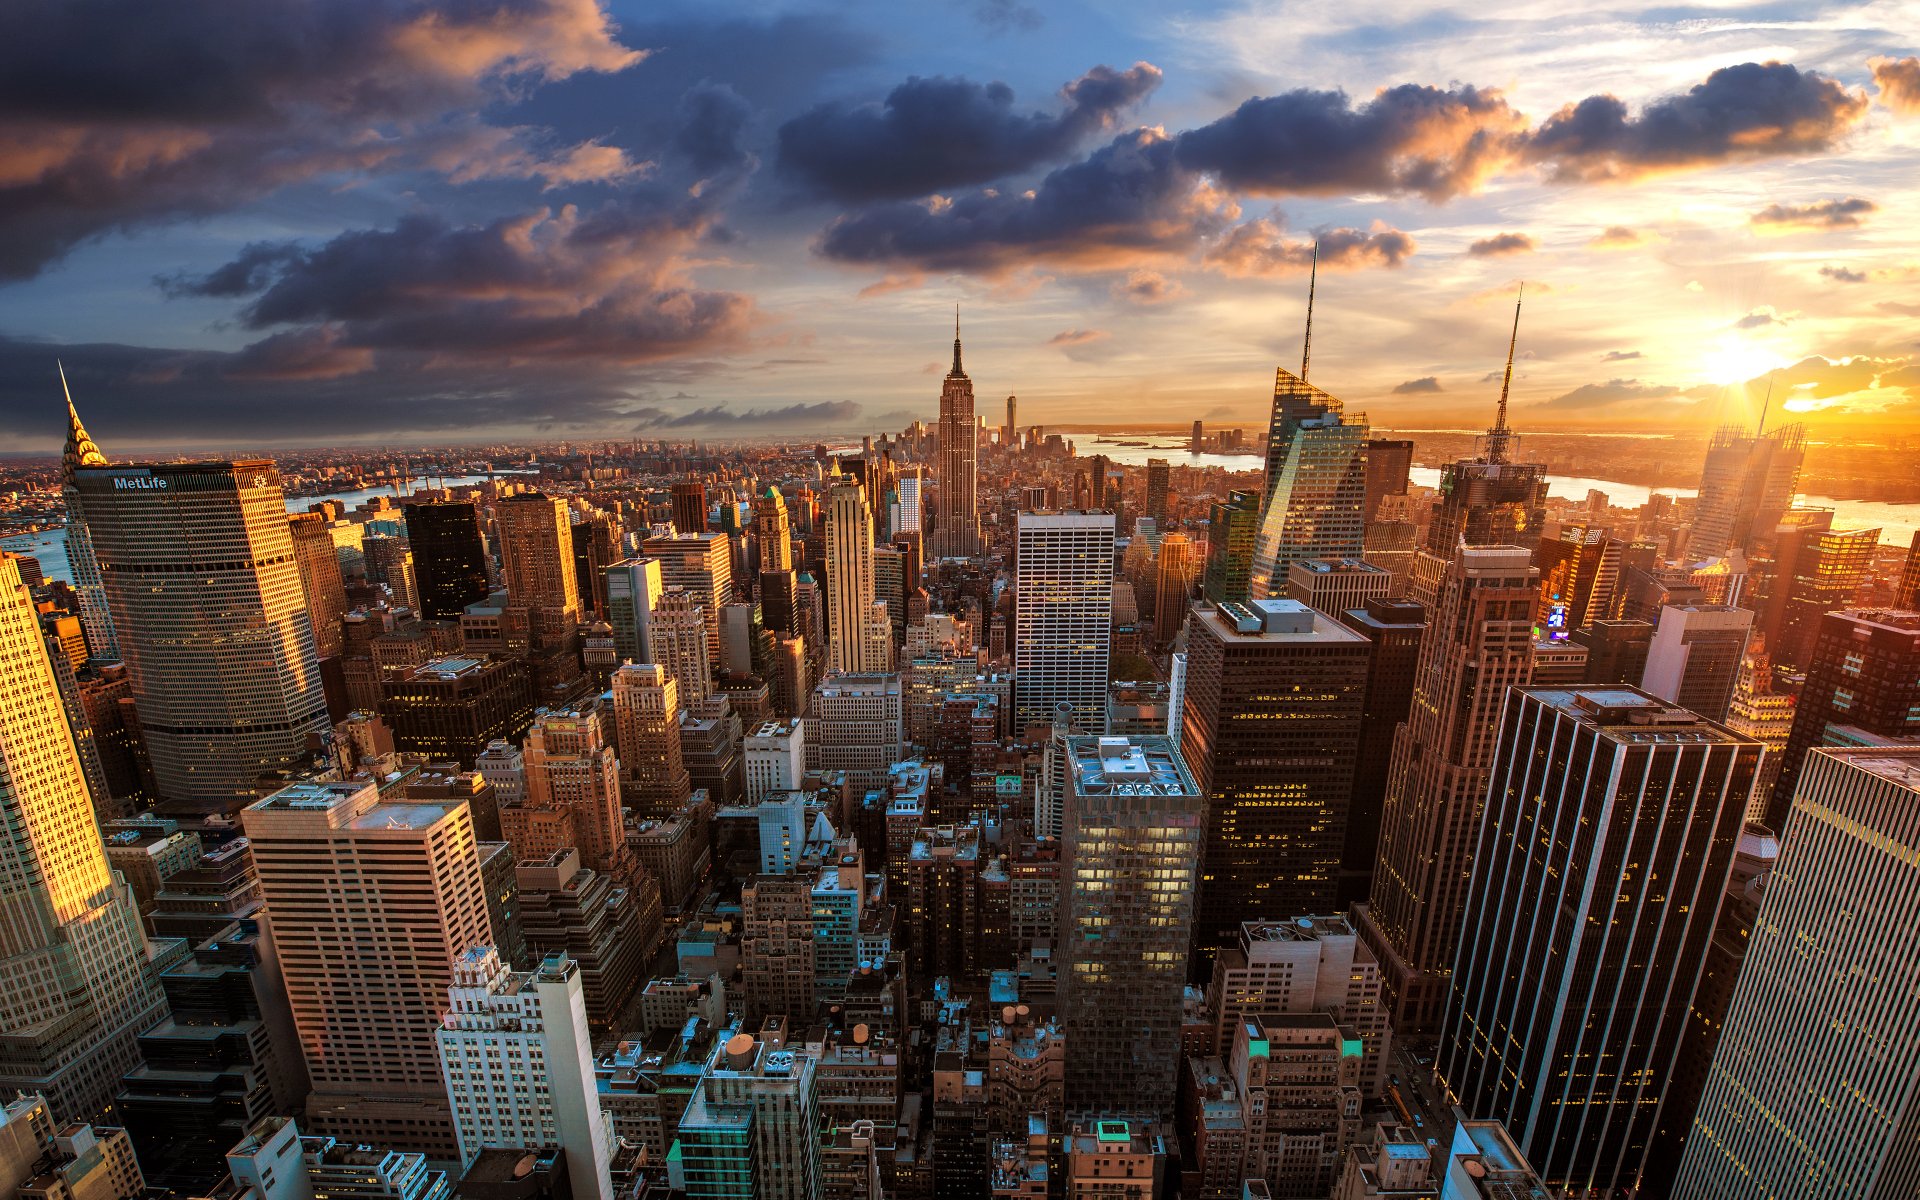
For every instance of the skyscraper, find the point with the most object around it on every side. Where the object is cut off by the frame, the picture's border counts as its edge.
(95, 616)
(1231, 526)
(373, 902)
(1479, 642)
(690, 507)
(1816, 1078)
(572, 795)
(646, 714)
(1610, 834)
(536, 559)
(1908, 594)
(677, 640)
(320, 581)
(1063, 618)
(853, 642)
(449, 557)
(751, 1130)
(1694, 658)
(200, 574)
(773, 530)
(1394, 630)
(1271, 729)
(1316, 484)
(1808, 570)
(1747, 484)
(956, 532)
(1130, 851)
(1389, 461)
(1159, 478)
(1489, 500)
(634, 586)
(78, 987)
(1174, 569)
(702, 565)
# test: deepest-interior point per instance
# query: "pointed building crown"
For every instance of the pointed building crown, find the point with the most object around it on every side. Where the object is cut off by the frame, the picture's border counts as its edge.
(956, 373)
(80, 450)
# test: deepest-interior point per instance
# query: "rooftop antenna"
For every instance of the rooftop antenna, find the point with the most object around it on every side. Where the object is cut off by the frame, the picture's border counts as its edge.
(956, 341)
(1499, 436)
(1313, 279)
(1764, 406)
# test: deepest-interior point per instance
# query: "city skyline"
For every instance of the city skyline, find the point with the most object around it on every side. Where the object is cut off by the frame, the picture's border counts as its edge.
(480, 234)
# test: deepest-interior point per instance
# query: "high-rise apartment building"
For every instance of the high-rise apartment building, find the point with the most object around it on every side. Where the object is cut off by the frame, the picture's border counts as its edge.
(854, 642)
(536, 555)
(1133, 827)
(95, 615)
(1231, 526)
(1479, 643)
(1271, 730)
(373, 903)
(200, 574)
(690, 507)
(78, 985)
(634, 586)
(646, 716)
(1747, 484)
(956, 531)
(1695, 656)
(1315, 487)
(518, 1064)
(1580, 953)
(449, 557)
(1063, 618)
(1864, 674)
(1394, 630)
(1816, 1077)
(677, 641)
(1298, 1082)
(320, 581)
(700, 564)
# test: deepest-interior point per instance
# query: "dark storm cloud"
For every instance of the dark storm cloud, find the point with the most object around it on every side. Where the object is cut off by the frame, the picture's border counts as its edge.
(1501, 245)
(1848, 213)
(115, 113)
(1414, 387)
(712, 130)
(1411, 138)
(931, 134)
(1741, 113)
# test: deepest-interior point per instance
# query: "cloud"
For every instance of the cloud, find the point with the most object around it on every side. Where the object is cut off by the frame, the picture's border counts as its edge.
(937, 133)
(1621, 355)
(1501, 245)
(1738, 114)
(1076, 337)
(1003, 16)
(1613, 391)
(1146, 287)
(1899, 82)
(890, 284)
(824, 412)
(1847, 213)
(1818, 382)
(1615, 237)
(1898, 309)
(1843, 274)
(1259, 247)
(1764, 316)
(1413, 387)
(119, 114)
(1410, 138)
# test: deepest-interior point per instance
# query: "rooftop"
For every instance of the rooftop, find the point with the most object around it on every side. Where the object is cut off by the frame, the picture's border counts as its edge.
(1140, 765)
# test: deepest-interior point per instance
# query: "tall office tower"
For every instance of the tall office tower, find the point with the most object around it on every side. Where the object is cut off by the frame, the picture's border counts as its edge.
(1231, 526)
(690, 507)
(751, 1129)
(1787, 1113)
(449, 557)
(611, 931)
(1100, 475)
(1175, 567)
(572, 794)
(1864, 676)
(95, 617)
(78, 986)
(701, 564)
(776, 757)
(1580, 953)
(773, 530)
(1815, 570)
(1579, 579)
(1389, 463)
(890, 589)
(855, 723)
(1394, 630)
(850, 588)
(1010, 432)
(1908, 594)
(1130, 852)
(519, 1065)
(1271, 731)
(776, 947)
(1316, 485)
(956, 531)
(1695, 656)
(599, 541)
(205, 591)
(320, 581)
(1337, 585)
(1616, 650)
(1159, 480)
(1762, 714)
(677, 640)
(1479, 642)
(907, 515)
(646, 716)
(390, 561)
(536, 559)
(1490, 500)
(373, 902)
(1305, 964)
(1300, 1097)
(634, 586)
(778, 593)
(1747, 485)
(1063, 618)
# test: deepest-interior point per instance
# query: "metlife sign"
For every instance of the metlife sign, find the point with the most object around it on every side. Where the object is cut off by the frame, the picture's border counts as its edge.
(138, 483)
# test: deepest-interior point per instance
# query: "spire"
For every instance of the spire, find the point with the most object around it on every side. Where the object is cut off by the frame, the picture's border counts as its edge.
(1313, 278)
(1764, 406)
(80, 451)
(956, 372)
(1499, 437)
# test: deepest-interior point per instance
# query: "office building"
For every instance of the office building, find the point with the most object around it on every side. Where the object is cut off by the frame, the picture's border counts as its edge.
(646, 714)
(572, 796)
(200, 574)
(78, 985)
(1305, 964)
(1747, 485)
(449, 557)
(1763, 714)
(1907, 595)
(1334, 586)
(1231, 526)
(1576, 972)
(96, 618)
(855, 724)
(1616, 650)
(1133, 828)
(1489, 500)
(1788, 1113)
(1175, 567)
(1271, 729)
(1159, 477)
(373, 902)
(450, 709)
(519, 1066)
(320, 580)
(536, 561)
(1393, 629)
(1063, 618)
(611, 931)
(1315, 486)
(1579, 579)
(854, 641)
(1298, 1077)
(773, 530)
(1864, 674)
(1118, 1157)
(1389, 463)
(70, 1161)
(1479, 643)
(677, 641)
(1695, 656)
(751, 1128)
(690, 507)
(634, 586)
(956, 531)
(1809, 570)
(389, 562)
(776, 758)
(700, 564)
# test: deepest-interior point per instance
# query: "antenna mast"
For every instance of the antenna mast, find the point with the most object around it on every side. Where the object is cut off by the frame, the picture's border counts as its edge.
(1499, 436)
(1313, 279)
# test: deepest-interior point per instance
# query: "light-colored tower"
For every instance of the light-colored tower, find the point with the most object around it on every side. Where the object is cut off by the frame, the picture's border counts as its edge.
(855, 723)
(751, 1129)
(774, 530)
(850, 591)
(372, 904)
(212, 620)
(1694, 659)
(1580, 952)
(677, 640)
(572, 795)
(536, 560)
(1300, 965)
(95, 616)
(701, 564)
(634, 586)
(1437, 780)
(1316, 484)
(776, 755)
(1815, 1086)
(646, 714)
(1063, 618)
(1130, 852)
(518, 1064)
(956, 531)
(320, 579)
(907, 511)
(77, 987)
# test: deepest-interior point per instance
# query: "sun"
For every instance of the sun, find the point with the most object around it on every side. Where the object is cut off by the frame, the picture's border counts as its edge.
(1733, 360)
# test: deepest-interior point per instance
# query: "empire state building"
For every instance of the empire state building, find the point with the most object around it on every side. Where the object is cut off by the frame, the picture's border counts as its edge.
(957, 531)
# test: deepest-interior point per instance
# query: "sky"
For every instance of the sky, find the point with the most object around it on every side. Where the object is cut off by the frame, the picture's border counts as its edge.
(403, 222)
